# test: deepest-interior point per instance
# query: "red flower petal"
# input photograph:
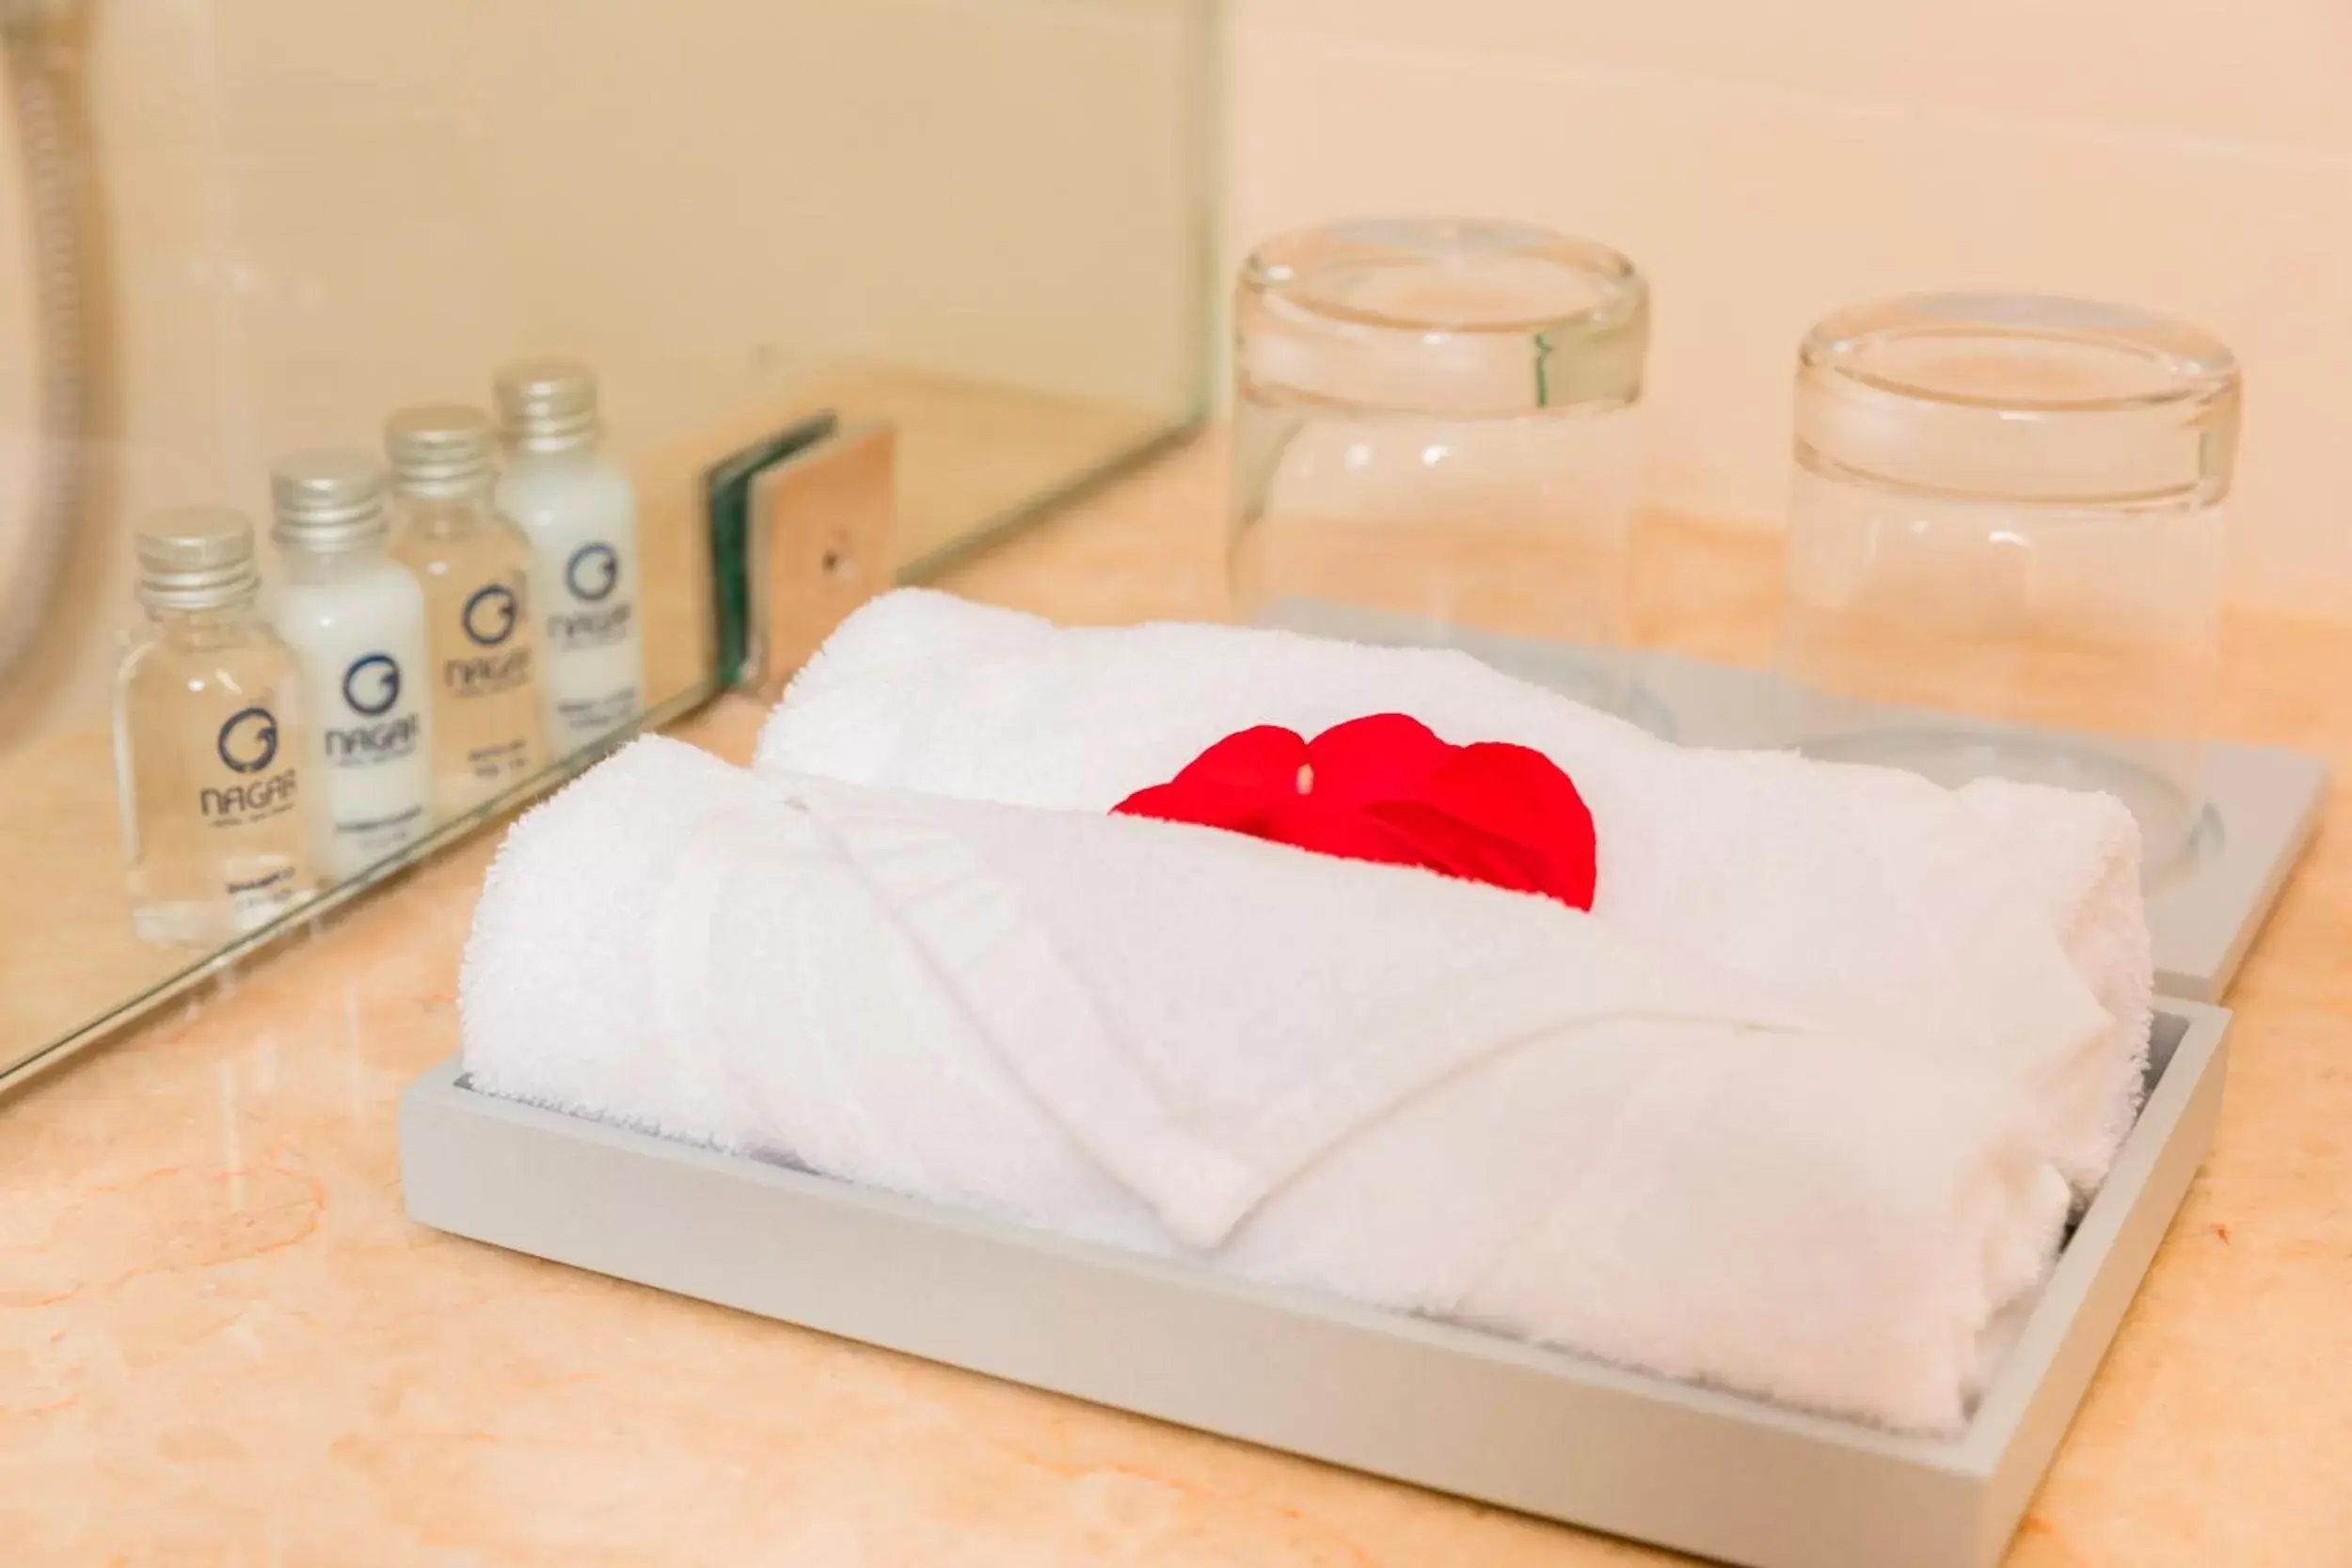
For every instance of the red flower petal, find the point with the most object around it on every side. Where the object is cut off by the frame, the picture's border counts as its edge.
(1237, 784)
(1233, 807)
(1382, 758)
(1522, 797)
(1386, 788)
(1352, 835)
(1265, 757)
(1446, 843)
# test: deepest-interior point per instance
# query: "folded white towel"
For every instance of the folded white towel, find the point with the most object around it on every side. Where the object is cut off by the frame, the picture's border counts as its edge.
(1962, 916)
(1366, 1079)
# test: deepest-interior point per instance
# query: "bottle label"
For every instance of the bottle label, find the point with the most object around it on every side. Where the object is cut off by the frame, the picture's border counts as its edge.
(377, 793)
(592, 718)
(385, 833)
(493, 663)
(262, 896)
(378, 734)
(599, 615)
(255, 788)
(595, 674)
(497, 761)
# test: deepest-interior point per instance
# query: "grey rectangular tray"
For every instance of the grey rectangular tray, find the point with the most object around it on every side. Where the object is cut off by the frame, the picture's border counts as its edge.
(1452, 1409)
(2262, 802)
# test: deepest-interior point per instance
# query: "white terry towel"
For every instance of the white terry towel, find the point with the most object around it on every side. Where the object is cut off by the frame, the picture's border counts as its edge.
(1959, 915)
(1423, 1093)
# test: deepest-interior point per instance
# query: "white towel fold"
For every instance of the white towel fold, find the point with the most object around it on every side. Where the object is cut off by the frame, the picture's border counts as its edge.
(1958, 917)
(1423, 1093)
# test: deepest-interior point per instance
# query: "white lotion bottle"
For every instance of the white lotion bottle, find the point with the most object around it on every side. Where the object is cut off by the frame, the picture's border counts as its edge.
(579, 512)
(355, 619)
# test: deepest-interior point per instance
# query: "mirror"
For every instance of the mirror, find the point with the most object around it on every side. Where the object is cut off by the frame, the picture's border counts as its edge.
(269, 223)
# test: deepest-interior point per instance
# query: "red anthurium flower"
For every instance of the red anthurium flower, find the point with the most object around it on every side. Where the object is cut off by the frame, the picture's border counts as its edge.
(1386, 788)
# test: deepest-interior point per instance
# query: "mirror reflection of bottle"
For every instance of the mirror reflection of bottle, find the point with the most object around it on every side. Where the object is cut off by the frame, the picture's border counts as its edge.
(355, 620)
(208, 741)
(580, 515)
(482, 639)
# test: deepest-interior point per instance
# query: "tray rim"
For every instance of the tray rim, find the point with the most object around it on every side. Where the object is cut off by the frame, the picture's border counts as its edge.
(1994, 1461)
(2262, 802)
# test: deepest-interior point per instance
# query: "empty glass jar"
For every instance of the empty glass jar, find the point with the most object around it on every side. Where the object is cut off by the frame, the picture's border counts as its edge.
(2006, 552)
(1437, 418)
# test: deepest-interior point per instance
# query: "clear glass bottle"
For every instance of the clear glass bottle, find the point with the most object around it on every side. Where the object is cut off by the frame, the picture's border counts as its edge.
(355, 620)
(481, 637)
(579, 512)
(208, 741)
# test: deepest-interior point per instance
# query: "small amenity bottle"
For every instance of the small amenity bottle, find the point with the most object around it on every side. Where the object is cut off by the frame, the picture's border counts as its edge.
(474, 567)
(355, 619)
(580, 515)
(208, 741)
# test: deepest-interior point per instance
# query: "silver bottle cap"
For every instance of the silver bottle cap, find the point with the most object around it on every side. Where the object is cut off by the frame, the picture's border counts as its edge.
(328, 501)
(196, 558)
(547, 405)
(442, 451)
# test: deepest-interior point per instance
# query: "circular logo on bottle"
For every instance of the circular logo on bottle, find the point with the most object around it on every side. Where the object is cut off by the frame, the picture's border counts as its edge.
(489, 614)
(248, 741)
(372, 685)
(592, 572)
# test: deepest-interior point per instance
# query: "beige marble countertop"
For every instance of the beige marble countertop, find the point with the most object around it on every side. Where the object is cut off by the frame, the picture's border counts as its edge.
(222, 1343)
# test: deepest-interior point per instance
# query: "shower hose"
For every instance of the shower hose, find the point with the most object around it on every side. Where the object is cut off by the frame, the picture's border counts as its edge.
(41, 94)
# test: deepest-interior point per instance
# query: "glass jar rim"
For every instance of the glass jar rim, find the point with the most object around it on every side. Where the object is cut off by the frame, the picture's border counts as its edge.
(1599, 286)
(2020, 399)
(2123, 358)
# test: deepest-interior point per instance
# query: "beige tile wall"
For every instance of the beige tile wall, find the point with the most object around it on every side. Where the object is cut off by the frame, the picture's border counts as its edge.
(1764, 163)
(324, 206)
(323, 209)
(380, 198)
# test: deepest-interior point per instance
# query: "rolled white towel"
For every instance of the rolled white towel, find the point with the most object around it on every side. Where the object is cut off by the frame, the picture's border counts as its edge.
(1956, 913)
(1364, 1079)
